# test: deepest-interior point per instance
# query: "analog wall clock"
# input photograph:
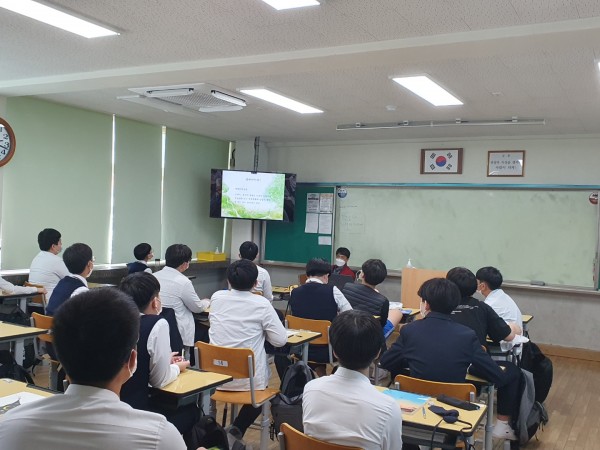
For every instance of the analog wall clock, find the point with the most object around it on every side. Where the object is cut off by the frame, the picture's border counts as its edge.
(7, 142)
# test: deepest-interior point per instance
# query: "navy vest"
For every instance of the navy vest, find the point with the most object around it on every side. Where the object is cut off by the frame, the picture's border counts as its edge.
(135, 391)
(62, 292)
(136, 266)
(314, 301)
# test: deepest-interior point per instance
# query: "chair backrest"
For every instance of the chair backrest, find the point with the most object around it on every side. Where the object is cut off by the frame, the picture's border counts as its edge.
(235, 362)
(45, 322)
(461, 391)
(319, 326)
(302, 279)
(38, 299)
(293, 439)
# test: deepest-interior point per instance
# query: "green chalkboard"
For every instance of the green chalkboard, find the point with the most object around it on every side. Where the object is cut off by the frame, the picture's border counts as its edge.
(287, 242)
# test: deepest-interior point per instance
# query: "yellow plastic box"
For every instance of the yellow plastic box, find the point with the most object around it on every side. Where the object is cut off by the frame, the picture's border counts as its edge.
(210, 256)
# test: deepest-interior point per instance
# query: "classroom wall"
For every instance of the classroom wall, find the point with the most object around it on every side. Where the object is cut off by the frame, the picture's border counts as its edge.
(2, 114)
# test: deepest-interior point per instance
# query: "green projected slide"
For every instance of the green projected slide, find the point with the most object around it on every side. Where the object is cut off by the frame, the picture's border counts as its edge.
(248, 195)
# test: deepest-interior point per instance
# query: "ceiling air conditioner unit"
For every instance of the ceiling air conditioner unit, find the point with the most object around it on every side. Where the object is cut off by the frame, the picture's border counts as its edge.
(186, 98)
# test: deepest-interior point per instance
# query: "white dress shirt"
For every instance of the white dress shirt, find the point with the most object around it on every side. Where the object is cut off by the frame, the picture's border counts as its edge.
(177, 292)
(86, 418)
(505, 306)
(340, 300)
(241, 319)
(162, 372)
(263, 283)
(345, 409)
(7, 286)
(47, 269)
(80, 289)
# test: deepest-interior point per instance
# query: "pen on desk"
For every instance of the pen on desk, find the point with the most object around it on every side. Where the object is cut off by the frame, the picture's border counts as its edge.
(424, 414)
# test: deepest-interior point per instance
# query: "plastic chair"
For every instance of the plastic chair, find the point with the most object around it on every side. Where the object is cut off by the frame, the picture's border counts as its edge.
(238, 363)
(38, 300)
(462, 391)
(292, 439)
(318, 326)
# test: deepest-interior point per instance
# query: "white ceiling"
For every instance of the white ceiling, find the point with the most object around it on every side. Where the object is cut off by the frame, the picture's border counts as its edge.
(503, 58)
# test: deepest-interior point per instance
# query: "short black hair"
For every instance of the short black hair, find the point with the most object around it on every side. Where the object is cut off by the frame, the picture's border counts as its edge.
(464, 279)
(343, 251)
(374, 271)
(442, 295)
(141, 287)
(177, 254)
(317, 267)
(94, 333)
(491, 276)
(242, 275)
(47, 238)
(249, 250)
(77, 257)
(356, 338)
(141, 251)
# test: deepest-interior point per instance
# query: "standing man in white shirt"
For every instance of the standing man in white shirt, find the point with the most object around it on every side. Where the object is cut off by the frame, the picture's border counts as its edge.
(47, 268)
(489, 281)
(241, 319)
(344, 408)
(249, 251)
(95, 335)
(177, 292)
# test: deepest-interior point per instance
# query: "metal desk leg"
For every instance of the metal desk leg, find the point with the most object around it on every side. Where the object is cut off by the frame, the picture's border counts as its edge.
(489, 424)
(19, 351)
(305, 352)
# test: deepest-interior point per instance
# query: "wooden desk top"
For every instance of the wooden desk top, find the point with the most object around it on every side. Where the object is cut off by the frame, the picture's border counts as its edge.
(430, 420)
(9, 331)
(9, 387)
(280, 290)
(99, 285)
(302, 337)
(527, 318)
(193, 381)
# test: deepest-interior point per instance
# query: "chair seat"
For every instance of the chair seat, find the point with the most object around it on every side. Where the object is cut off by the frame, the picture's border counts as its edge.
(243, 397)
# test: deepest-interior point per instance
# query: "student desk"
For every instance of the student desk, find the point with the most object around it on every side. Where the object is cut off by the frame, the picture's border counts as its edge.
(188, 386)
(303, 338)
(527, 318)
(20, 298)
(420, 426)
(489, 427)
(10, 332)
(11, 387)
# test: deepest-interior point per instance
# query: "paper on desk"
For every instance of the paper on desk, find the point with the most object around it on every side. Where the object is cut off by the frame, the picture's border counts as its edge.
(12, 401)
(508, 345)
(408, 401)
(312, 223)
(395, 305)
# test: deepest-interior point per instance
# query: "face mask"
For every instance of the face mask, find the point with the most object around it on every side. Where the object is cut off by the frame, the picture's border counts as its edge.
(423, 311)
(340, 262)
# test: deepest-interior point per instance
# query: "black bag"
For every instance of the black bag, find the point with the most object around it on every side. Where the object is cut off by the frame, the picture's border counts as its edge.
(13, 314)
(10, 369)
(534, 361)
(532, 414)
(206, 433)
(286, 407)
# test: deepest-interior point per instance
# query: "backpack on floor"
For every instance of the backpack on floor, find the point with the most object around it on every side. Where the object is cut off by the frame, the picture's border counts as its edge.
(206, 433)
(532, 414)
(534, 361)
(287, 405)
(10, 369)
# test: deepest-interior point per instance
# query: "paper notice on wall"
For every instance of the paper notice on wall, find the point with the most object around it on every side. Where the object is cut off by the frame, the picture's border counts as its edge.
(324, 240)
(326, 203)
(325, 223)
(312, 223)
(312, 202)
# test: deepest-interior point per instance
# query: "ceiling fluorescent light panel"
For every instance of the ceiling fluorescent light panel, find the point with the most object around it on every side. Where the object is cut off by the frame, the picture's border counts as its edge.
(289, 4)
(428, 90)
(56, 18)
(280, 100)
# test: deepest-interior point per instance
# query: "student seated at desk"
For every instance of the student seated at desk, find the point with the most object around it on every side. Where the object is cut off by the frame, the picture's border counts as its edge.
(439, 349)
(241, 319)
(177, 292)
(80, 263)
(10, 288)
(364, 295)
(318, 300)
(344, 408)
(47, 268)
(143, 253)
(249, 251)
(489, 281)
(95, 334)
(479, 316)
(342, 255)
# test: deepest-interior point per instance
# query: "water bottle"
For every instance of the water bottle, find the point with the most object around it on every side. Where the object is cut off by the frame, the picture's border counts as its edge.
(409, 264)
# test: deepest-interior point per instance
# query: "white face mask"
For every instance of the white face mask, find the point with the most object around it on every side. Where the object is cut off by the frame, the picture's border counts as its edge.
(423, 310)
(340, 262)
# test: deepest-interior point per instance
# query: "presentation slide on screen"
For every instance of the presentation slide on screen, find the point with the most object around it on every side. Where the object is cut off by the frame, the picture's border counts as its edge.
(248, 195)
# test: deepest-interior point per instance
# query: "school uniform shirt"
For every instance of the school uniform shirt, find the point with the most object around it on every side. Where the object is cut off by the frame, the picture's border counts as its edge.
(482, 319)
(241, 319)
(86, 418)
(177, 292)
(66, 288)
(47, 269)
(263, 283)
(162, 372)
(505, 306)
(345, 409)
(341, 301)
(7, 286)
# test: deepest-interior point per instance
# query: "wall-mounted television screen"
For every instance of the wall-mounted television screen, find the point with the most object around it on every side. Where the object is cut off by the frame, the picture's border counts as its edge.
(237, 194)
